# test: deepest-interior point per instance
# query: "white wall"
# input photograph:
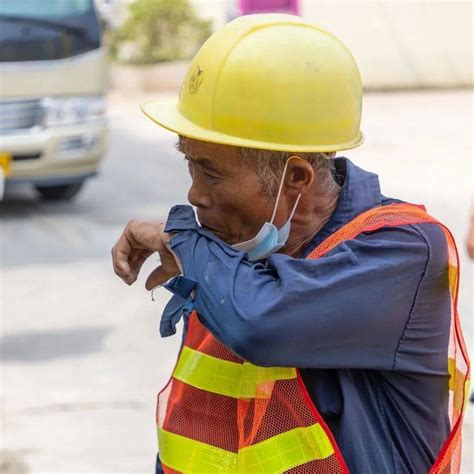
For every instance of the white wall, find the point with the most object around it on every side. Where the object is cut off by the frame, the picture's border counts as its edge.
(403, 43)
(397, 44)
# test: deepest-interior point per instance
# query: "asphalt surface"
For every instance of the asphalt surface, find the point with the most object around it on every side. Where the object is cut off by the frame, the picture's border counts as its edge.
(81, 355)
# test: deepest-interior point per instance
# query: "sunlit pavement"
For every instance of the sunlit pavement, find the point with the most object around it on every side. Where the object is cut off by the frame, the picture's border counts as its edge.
(82, 358)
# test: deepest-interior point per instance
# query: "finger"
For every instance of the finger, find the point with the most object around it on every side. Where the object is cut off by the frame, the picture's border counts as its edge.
(120, 258)
(157, 277)
(136, 262)
(122, 263)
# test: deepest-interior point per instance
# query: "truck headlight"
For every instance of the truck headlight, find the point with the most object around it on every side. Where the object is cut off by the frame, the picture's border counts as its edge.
(60, 111)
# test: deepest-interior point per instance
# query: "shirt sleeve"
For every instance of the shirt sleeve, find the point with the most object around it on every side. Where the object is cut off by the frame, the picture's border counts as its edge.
(347, 309)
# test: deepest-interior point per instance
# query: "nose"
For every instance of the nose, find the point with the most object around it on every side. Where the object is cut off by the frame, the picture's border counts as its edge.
(197, 196)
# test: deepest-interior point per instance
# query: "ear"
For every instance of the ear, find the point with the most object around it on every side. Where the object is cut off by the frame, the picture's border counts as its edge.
(299, 176)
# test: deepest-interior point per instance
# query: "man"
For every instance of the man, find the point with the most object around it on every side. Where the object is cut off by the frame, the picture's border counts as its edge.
(317, 311)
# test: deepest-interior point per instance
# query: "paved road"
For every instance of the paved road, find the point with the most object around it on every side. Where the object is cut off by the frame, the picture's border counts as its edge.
(82, 359)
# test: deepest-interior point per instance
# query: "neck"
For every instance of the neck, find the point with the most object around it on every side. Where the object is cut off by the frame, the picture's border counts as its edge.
(314, 211)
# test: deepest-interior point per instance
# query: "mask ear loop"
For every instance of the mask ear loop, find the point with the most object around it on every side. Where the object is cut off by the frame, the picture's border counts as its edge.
(281, 188)
(295, 206)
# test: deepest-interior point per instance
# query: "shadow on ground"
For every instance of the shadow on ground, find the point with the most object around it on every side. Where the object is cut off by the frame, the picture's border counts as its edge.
(41, 346)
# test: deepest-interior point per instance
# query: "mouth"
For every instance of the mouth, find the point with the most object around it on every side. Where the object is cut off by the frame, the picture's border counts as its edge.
(205, 226)
(214, 230)
(203, 223)
(208, 227)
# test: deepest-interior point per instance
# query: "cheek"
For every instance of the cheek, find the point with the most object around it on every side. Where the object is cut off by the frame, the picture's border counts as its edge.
(238, 208)
(246, 210)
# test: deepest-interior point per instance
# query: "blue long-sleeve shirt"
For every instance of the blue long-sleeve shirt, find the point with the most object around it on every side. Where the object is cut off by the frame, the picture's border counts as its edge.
(367, 324)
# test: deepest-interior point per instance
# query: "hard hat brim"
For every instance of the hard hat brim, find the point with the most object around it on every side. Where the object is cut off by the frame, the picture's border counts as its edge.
(165, 113)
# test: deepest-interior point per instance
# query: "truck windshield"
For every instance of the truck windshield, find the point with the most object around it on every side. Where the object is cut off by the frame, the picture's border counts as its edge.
(45, 8)
(32, 30)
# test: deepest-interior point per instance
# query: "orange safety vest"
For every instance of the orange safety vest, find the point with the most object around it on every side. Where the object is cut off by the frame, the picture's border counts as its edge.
(221, 414)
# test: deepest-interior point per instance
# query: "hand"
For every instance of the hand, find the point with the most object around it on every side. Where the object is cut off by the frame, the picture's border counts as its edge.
(140, 240)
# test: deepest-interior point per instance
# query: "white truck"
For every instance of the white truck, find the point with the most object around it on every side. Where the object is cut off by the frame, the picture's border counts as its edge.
(52, 85)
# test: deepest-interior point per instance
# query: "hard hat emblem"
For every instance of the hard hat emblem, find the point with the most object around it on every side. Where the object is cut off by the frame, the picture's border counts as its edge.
(196, 80)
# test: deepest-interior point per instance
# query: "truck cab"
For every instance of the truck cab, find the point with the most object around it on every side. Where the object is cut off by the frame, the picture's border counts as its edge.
(52, 84)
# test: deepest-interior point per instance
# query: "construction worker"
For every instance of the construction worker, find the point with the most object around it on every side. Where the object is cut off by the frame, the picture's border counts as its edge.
(320, 325)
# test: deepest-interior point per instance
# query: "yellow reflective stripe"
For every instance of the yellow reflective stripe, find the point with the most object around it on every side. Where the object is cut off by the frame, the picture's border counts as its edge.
(189, 456)
(254, 379)
(467, 391)
(452, 276)
(285, 451)
(456, 377)
(277, 454)
(227, 378)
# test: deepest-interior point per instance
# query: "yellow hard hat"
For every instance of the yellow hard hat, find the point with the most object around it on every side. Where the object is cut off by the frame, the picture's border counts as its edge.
(272, 82)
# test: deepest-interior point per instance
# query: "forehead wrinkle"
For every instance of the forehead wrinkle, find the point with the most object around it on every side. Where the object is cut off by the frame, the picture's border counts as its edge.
(199, 155)
(182, 149)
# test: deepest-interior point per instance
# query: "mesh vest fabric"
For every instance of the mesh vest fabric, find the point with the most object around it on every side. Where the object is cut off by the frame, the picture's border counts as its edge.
(220, 414)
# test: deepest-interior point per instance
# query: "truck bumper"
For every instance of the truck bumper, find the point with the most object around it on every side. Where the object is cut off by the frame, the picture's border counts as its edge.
(60, 155)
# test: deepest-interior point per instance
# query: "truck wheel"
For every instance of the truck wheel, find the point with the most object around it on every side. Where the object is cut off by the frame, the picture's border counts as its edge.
(63, 192)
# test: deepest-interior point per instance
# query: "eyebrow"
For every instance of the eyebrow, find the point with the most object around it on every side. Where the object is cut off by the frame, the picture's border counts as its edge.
(204, 162)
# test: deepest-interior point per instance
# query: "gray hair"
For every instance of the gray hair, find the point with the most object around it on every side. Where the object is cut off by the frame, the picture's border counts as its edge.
(269, 166)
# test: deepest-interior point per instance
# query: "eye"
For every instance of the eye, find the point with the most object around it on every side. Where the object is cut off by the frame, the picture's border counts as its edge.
(210, 175)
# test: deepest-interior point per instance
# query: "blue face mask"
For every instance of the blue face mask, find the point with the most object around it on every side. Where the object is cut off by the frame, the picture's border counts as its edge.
(269, 239)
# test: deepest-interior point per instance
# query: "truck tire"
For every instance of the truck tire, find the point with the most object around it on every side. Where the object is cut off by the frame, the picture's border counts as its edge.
(63, 192)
